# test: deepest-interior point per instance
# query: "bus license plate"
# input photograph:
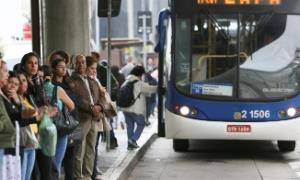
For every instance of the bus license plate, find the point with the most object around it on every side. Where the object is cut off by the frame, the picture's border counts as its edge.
(238, 128)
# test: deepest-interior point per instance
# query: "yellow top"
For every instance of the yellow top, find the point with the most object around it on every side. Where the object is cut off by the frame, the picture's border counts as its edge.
(27, 105)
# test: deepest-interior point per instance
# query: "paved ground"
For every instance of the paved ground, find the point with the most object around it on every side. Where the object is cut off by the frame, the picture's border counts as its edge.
(218, 160)
(116, 163)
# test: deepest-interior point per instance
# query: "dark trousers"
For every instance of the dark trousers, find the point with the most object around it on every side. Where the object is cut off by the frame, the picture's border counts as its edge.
(69, 161)
(46, 166)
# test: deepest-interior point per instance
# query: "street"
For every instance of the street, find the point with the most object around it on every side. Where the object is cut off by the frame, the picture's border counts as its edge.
(218, 160)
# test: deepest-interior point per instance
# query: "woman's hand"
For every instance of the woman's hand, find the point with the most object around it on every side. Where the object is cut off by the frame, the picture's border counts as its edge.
(28, 113)
(52, 111)
(13, 96)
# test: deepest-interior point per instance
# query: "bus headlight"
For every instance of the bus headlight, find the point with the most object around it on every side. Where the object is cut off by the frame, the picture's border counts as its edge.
(184, 110)
(291, 112)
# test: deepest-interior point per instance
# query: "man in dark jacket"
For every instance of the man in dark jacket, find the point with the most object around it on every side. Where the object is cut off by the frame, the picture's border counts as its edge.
(90, 111)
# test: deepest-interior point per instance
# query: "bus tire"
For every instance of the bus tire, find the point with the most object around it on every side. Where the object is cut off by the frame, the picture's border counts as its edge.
(180, 145)
(286, 146)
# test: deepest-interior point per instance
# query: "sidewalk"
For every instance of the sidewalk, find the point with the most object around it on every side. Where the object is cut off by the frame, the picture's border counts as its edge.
(117, 164)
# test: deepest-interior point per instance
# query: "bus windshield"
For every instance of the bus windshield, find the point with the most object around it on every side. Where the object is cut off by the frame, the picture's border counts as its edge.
(209, 61)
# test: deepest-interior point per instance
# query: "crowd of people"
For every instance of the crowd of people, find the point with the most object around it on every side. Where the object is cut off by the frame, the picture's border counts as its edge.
(32, 93)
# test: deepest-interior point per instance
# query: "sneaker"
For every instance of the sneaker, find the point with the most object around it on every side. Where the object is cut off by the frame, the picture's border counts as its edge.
(147, 123)
(130, 147)
(113, 143)
(133, 143)
(98, 177)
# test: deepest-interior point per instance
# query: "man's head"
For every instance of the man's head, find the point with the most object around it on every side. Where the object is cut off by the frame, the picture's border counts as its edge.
(138, 71)
(129, 59)
(95, 55)
(3, 73)
(80, 64)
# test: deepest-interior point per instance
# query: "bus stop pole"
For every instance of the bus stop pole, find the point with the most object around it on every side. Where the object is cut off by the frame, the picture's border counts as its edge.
(108, 85)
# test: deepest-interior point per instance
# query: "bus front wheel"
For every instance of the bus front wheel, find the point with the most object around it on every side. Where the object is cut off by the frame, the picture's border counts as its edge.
(286, 146)
(180, 145)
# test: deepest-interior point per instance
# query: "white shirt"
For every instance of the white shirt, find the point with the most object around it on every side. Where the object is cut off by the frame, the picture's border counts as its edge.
(87, 84)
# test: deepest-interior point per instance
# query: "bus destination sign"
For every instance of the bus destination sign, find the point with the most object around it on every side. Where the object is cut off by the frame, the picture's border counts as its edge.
(239, 2)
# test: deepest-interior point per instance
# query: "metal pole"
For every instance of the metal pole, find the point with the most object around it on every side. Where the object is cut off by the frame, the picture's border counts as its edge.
(108, 63)
(36, 36)
(144, 35)
(238, 57)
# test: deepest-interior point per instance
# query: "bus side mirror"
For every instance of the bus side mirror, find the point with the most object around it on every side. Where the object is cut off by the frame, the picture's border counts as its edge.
(103, 7)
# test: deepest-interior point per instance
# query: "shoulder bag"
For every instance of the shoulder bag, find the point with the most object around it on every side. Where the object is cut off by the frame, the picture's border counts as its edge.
(65, 123)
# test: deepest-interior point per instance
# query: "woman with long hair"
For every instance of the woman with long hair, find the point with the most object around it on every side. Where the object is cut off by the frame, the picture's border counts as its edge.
(29, 133)
(30, 67)
(63, 101)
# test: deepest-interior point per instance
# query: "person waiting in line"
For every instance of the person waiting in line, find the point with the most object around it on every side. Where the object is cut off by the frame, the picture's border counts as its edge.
(29, 141)
(61, 54)
(7, 129)
(120, 79)
(90, 111)
(30, 65)
(13, 96)
(92, 73)
(63, 100)
(135, 114)
(60, 79)
(102, 76)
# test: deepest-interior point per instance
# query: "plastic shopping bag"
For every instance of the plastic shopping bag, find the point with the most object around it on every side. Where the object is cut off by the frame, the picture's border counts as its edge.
(48, 135)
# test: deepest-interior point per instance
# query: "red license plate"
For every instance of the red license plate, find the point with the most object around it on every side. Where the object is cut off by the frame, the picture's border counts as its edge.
(238, 128)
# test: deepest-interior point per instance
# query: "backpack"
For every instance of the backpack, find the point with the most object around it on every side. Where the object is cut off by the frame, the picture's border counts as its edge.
(125, 96)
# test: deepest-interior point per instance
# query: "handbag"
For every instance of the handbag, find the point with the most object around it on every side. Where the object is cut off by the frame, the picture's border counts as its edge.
(75, 137)
(65, 123)
(11, 164)
(106, 125)
(109, 109)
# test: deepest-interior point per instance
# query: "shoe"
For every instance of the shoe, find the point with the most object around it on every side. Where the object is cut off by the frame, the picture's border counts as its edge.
(133, 143)
(147, 123)
(98, 177)
(130, 147)
(113, 144)
(99, 173)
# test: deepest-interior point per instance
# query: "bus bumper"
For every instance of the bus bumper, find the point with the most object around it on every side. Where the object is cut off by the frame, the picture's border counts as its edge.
(179, 127)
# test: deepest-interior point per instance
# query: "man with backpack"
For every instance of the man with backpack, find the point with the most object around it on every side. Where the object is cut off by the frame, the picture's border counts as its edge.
(132, 99)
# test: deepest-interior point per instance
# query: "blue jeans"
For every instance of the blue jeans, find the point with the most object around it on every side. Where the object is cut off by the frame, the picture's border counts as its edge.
(27, 159)
(95, 170)
(61, 146)
(132, 119)
(1, 162)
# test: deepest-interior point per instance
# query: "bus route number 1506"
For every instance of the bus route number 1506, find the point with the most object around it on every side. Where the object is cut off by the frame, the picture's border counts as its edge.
(256, 114)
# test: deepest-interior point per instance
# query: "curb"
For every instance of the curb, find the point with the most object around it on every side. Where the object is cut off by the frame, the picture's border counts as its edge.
(126, 162)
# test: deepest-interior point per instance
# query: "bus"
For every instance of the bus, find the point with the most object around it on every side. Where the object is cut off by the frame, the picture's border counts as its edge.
(229, 70)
